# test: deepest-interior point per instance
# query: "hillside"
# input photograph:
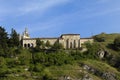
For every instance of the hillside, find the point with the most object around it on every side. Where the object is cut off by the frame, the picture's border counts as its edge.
(99, 62)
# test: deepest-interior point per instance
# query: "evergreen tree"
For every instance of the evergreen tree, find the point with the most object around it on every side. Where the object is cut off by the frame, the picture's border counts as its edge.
(48, 44)
(14, 38)
(3, 41)
(3, 38)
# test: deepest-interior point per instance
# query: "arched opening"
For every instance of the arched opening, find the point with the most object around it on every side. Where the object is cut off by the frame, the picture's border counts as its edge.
(28, 45)
(71, 45)
(67, 43)
(25, 45)
(74, 43)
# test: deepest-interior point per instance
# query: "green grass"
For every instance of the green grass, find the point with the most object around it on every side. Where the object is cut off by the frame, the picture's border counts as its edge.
(74, 71)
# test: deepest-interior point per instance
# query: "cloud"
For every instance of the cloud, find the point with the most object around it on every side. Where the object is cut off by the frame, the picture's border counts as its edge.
(40, 6)
(8, 8)
(99, 13)
(57, 22)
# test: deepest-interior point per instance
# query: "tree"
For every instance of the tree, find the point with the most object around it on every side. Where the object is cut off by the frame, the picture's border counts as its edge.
(40, 44)
(100, 37)
(117, 43)
(3, 41)
(92, 49)
(3, 38)
(14, 39)
(48, 44)
(57, 45)
(3, 67)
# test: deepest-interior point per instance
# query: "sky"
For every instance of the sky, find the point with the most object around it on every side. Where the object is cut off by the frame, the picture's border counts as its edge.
(51, 18)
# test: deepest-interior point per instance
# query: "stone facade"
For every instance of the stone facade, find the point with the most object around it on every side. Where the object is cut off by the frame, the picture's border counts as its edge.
(69, 41)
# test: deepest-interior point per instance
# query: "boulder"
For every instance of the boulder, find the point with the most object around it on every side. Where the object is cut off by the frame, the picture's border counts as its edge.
(101, 54)
(86, 77)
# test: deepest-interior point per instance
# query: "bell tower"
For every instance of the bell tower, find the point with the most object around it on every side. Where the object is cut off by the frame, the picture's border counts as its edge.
(26, 34)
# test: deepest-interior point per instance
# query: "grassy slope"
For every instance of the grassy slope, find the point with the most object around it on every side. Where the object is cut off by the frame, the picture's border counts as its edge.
(109, 39)
(75, 70)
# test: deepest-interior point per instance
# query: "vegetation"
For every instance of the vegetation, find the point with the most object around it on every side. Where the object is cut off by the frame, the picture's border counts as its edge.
(47, 62)
(117, 43)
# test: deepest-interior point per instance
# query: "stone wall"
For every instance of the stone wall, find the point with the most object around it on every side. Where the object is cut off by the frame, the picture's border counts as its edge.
(51, 40)
(83, 40)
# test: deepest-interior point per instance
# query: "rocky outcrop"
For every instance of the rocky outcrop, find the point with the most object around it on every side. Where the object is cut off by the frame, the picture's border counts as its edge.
(103, 53)
(104, 75)
(109, 76)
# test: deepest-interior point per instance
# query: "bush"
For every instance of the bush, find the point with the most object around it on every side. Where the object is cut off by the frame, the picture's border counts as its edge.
(38, 67)
(92, 50)
(117, 43)
(100, 38)
(57, 46)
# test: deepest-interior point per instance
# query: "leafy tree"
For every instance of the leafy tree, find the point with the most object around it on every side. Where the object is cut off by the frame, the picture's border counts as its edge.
(100, 38)
(92, 49)
(40, 44)
(117, 43)
(57, 45)
(38, 67)
(40, 57)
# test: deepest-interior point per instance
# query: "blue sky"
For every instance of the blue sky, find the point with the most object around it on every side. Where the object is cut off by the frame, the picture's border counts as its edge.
(51, 18)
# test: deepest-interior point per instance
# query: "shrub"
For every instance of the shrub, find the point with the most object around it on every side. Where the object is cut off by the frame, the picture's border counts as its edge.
(117, 43)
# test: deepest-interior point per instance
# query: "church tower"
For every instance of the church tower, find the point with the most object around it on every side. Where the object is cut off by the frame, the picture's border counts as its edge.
(26, 34)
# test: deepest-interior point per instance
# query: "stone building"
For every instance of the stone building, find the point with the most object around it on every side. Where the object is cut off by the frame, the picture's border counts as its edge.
(69, 41)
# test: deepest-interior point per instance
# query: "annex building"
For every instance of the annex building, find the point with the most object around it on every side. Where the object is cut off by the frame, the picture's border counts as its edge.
(69, 41)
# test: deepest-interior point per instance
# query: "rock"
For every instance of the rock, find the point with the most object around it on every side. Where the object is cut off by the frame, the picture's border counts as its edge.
(90, 69)
(86, 77)
(26, 69)
(86, 67)
(101, 54)
(104, 75)
(109, 76)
